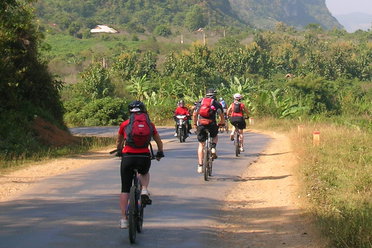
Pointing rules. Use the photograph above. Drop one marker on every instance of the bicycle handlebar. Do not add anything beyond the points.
(152, 156)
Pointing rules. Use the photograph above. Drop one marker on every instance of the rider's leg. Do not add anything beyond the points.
(123, 204)
(241, 136)
(232, 132)
(200, 152)
(214, 141)
(145, 180)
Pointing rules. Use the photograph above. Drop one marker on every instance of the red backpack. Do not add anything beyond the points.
(207, 109)
(139, 130)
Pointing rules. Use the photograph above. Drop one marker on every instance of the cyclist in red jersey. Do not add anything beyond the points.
(128, 162)
(236, 115)
(202, 123)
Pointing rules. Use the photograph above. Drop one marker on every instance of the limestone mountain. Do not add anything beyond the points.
(298, 13)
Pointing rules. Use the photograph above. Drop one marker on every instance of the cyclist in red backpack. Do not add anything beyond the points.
(204, 118)
(132, 144)
(236, 115)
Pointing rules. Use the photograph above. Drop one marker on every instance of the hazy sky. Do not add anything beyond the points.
(349, 6)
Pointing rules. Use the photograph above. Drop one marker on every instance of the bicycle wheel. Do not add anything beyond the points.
(140, 216)
(210, 163)
(237, 144)
(132, 212)
(205, 162)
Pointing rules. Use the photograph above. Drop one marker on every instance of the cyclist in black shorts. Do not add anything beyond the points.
(204, 117)
(140, 159)
(236, 113)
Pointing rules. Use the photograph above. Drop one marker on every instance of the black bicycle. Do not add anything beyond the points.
(135, 209)
(207, 157)
(237, 142)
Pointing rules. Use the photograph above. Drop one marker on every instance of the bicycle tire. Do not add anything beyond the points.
(205, 162)
(140, 218)
(210, 164)
(132, 212)
(237, 145)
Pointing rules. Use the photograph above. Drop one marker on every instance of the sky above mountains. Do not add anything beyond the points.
(339, 7)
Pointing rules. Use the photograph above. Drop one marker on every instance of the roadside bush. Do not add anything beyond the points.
(101, 112)
(162, 30)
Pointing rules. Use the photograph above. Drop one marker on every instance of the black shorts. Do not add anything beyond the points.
(202, 134)
(238, 122)
(128, 163)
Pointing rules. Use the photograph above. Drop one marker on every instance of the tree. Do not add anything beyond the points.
(195, 18)
(96, 83)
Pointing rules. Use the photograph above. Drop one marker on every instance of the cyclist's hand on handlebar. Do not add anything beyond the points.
(159, 155)
(119, 153)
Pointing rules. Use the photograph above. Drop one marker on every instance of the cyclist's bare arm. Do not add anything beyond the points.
(120, 142)
(159, 143)
(229, 111)
(222, 117)
(194, 117)
(246, 112)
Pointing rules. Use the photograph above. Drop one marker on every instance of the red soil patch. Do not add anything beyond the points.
(49, 134)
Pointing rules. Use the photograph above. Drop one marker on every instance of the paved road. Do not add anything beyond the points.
(80, 208)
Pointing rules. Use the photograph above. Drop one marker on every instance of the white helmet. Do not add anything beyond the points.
(237, 96)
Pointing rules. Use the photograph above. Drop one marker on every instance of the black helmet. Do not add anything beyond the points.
(136, 106)
(211, 92)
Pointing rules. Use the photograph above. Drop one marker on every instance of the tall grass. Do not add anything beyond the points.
(337, 176)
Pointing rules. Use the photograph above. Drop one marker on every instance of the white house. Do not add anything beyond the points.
(103, 29)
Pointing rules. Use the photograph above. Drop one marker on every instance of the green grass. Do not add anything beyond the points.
(337, 177)
(62, 45)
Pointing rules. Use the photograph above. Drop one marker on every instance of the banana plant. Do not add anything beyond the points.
(139, 87)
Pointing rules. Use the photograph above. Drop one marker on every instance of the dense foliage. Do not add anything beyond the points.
(26, 87)
(282, 75)
(286, 74)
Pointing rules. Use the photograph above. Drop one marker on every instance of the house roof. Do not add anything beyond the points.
(103, 29)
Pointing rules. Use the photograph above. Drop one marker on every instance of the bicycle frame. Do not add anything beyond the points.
(237, 142)
(135, 208)
(207, 157)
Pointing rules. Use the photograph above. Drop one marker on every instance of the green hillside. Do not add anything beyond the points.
(77, 17)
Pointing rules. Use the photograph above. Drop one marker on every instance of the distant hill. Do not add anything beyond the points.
(355, 21)
(297, 13)
(146, 15)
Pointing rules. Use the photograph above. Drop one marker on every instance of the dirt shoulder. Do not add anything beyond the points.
(16, 182)
(264, 210)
